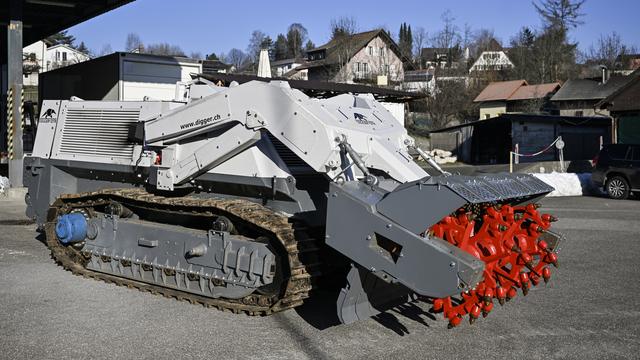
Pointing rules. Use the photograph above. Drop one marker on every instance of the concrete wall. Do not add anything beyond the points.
(492, 109)
(579, 108)
(583, 112)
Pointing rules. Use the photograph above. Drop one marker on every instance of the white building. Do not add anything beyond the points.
(491, 60)
(282, 67)
(33, 62)
(38, 58)
(62, 55)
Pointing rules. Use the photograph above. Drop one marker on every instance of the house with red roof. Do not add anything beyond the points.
(515, 96)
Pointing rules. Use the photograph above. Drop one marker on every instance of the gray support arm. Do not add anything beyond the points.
(212, 153)
(429, 160)
(368, 178)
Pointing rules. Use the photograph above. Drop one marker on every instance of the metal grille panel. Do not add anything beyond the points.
(99, 132)
(487, 188)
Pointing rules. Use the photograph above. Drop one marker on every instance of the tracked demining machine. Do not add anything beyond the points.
(254, 197)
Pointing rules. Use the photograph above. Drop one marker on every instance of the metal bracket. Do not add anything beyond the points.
(253, 120)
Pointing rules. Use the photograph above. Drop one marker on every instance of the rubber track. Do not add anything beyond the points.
(293, 239)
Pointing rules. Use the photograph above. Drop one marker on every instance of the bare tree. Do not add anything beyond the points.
(608, 50)
(165, 49)
(554, 57)
(562, 14)
(196, 55)
(236, 57)
(342, 30)
(345, 25)
(483, 40)
(133, 43)
(420, 37)
(255, 45)
(452, 100)
(449, 36)
(105, 50)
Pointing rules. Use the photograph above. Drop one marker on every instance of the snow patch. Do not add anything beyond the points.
(569, 184)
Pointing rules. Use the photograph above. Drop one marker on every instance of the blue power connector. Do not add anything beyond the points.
(71, 228)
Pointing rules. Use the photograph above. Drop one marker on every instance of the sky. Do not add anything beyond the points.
(207, 26)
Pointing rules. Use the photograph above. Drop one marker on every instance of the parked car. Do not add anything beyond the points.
(617, 170)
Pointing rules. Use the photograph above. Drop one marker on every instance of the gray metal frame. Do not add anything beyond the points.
(179, 258)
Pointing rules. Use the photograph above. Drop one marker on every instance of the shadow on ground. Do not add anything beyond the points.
(320, 311)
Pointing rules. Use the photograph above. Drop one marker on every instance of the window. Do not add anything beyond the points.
(619, 152)
(370, 50)
(579, 113)
(57, 55)
(382, 51)
(386, 69)
(64, 56)
(487, 116)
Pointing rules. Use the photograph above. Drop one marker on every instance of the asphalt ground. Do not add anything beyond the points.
(589, 310)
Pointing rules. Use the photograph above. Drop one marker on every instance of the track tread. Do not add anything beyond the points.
(294, 290)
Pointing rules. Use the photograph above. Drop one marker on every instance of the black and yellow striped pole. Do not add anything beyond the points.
(10, 124)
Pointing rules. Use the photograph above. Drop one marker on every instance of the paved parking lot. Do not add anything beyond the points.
(590, 309)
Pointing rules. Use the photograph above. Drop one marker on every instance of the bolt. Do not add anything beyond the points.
(368, 237)
(389, 226)
(452, 264)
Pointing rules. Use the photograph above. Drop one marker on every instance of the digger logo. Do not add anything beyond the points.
(361, 119)
(49, 116)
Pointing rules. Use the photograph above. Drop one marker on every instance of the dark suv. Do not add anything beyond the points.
(617, 169)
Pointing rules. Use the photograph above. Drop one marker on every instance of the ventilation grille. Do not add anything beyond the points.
(95, 132)
(293, 162)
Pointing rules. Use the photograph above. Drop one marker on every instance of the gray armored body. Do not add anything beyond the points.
(246, 198)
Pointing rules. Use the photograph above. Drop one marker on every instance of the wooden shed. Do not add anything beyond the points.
(490, 141)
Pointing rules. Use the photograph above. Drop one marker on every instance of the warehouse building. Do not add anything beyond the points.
(119, 76)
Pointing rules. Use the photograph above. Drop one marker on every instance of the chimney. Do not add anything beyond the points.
(605, 74)
(264, 67)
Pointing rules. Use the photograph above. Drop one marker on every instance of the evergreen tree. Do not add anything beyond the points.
(405, 40)
(296, 36)
(309, 45)
(62, 37)
(280, 47)
(83, 48)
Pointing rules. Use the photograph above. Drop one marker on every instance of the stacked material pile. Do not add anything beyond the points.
(441, 156)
